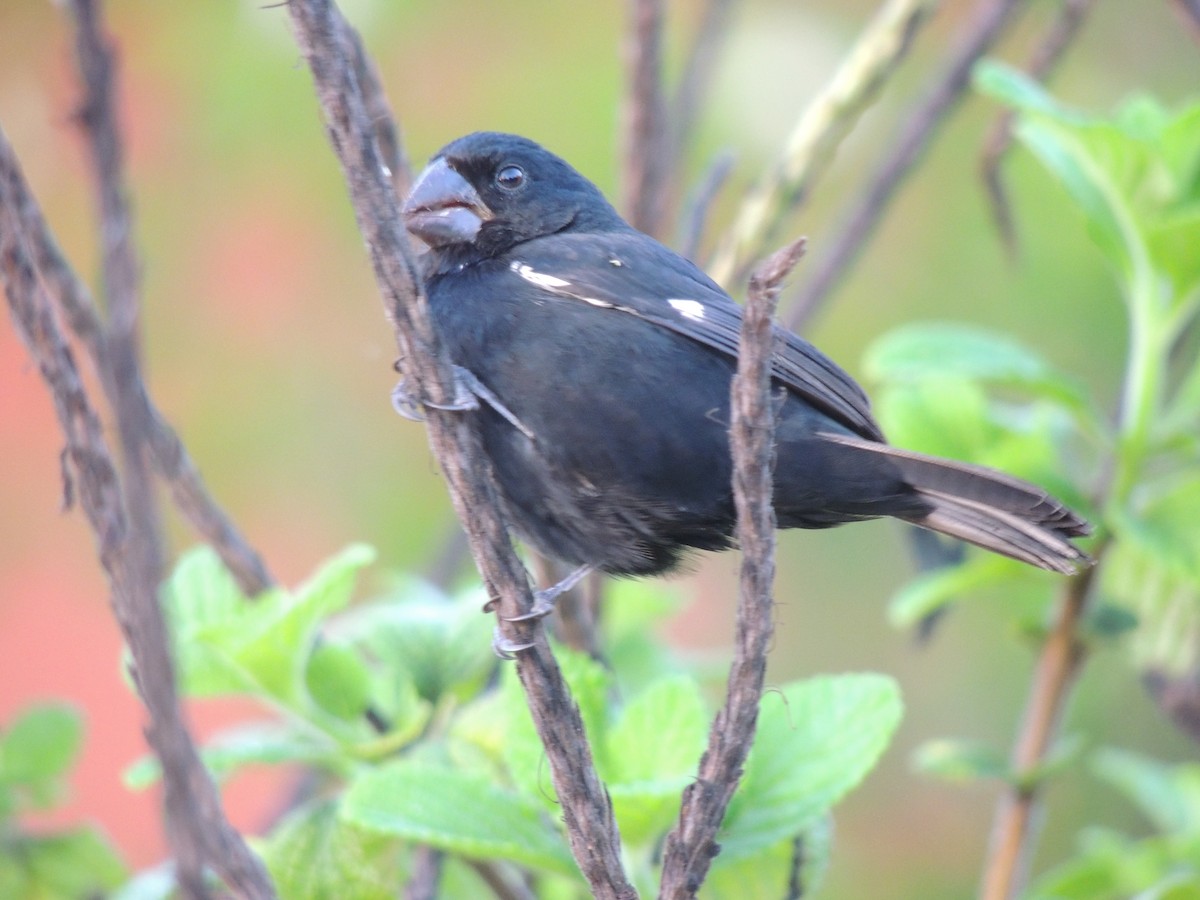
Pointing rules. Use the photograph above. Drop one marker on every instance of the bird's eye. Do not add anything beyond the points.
(510, 177)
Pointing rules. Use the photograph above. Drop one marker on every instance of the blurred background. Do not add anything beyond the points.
(267, 348)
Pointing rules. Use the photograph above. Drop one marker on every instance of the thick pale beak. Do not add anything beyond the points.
(443, 208)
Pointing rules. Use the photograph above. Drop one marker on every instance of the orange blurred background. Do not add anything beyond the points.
(266, 347)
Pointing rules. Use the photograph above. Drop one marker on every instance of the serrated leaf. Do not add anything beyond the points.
(672, 711)
(771, 873)
(277, 634)
(458, 812)
(40, 744)
(315, 855)
(442, 645)
(228, 645)
(816, 740)
(525, 758)
(645, 776)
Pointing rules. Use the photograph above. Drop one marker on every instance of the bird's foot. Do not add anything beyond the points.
(543, 601)
(468, 391)
(505, 648)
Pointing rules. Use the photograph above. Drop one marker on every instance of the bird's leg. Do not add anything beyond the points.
(468, 391)
(543, 601)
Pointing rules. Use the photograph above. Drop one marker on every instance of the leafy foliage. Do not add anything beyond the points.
(1110, 864)
(958, 391)
(37, 751)
(451, 759)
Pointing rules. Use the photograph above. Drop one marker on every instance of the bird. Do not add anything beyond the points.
(601, 363)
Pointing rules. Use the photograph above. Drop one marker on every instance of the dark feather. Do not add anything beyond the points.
(616, 356)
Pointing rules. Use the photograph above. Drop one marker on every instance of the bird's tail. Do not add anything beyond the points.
(986, 508)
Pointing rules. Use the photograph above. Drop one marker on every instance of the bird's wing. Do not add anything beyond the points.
(630, 273)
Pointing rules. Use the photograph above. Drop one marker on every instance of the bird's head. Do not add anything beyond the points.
(485, 193)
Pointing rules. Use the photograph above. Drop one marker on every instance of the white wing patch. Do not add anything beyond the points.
(538, 278)
(691, 309)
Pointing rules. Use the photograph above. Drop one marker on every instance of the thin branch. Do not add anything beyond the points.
(817, 134)
(170, 458)
(1189, 11)
(198, 830)
(323, 37)
(691, 845)
(388, 138)
(643, 119)
(1014, 827)
(987, 25)
(505, 884)
(426, 874)
(1045, 57)
(696, 79)
(700, 202)
(574, 619)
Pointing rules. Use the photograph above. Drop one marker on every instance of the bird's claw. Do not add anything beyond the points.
(506, 648)
(468, 391)
(405, 404)
(544, 600)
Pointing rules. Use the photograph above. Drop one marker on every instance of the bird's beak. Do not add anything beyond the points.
(443, 208)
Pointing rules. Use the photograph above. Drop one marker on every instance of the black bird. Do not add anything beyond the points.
(604, 360)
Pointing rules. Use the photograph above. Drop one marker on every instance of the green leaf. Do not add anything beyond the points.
(960, 761)
(1015, 88)
(1169, 796)
(316, 855)
(937, 588)
(672, 711)
(202, 591)
(228, 645)
(770, 874)
(459, 812)
(1166, 529)
(816, 740)
(918, 351)
(941, 415)
(646, 777)
(276, 635)
(270, 743)
(1109, 220)
(338, 681)
(1112, 867)
(75, 863)
(41, 744)
(418, 634)
(522, 750)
